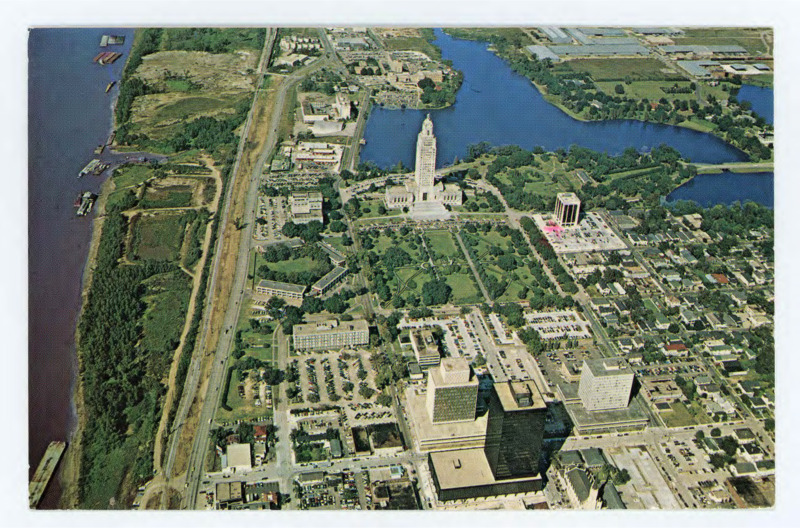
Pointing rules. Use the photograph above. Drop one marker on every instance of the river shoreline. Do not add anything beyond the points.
(72, 460)
(70, 473)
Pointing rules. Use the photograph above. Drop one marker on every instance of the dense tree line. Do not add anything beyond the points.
(214, 40)
(121, 387)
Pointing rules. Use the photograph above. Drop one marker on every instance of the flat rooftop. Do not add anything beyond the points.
(608, 367)
(569, 198)
(508, 392)
(332, 276)
(453, 372)
(464, 468)
(282, 286)
(330, 326)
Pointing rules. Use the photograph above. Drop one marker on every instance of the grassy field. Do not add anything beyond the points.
(167, 299)
(748, 38)
(536, 181)
(619, 69)
(173, 196)
(441, 244)
(464, 289)
(413, 44)
(189, 106)
(486, 33)
(130, 175)
(240, 408)
(369, 208)
(211, 84)
(408, 280)
(158, 237)
(291, 265)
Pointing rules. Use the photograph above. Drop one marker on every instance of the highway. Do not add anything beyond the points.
(193, 375)
(197, 458)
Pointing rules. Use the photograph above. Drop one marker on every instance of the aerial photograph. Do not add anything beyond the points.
(400, 268)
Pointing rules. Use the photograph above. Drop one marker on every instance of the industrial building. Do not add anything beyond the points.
(515, 429)
(568, 209)
(330, 334)
(697, 49)
(599, 50)
(452, 392)
(605, 384)
(238, 459)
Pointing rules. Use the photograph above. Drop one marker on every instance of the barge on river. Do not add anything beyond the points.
(45, 471)
(85, 202)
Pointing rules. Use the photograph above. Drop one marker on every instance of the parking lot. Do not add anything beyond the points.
(272, 214)
(553, 325)
(334, 378)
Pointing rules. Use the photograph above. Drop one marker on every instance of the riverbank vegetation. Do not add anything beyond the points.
(136, 308)
(187, 88)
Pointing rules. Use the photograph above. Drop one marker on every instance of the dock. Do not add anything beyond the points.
(45, 471)
(111, 40)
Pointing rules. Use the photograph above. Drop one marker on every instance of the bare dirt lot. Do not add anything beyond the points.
(192, 84)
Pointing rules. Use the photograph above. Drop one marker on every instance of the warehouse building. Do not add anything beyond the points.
(600, 50)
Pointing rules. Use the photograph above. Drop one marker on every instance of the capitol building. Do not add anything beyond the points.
(423, 193)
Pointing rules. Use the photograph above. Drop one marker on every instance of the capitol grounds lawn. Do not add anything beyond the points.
(441, 243)
(464, 289)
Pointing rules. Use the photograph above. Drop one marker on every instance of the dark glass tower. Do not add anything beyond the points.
(515, 429)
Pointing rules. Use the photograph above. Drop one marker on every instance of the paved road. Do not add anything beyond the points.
(193, 375)
(472, 267)
(194, 370)
(196, 460)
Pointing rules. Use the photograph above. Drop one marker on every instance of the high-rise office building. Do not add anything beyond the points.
(452, 391)
(605, 384)
(515, 429)
(425, 169)
(568, 209)
(424, 191)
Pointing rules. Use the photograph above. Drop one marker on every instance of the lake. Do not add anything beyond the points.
(761, 99)
(497, 105)
(728, 187)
